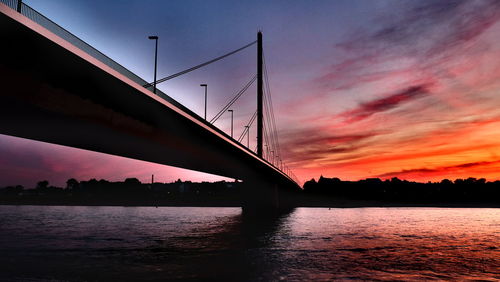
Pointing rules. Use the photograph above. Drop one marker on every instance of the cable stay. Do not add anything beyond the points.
(271, 109)
(271, 118)
(268, 125)
(233, 100)
(198, 66)
(266, 142)
(271, 140)
(247, 127)
(267, 130)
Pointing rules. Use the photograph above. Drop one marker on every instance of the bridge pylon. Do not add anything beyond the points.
(260, 94)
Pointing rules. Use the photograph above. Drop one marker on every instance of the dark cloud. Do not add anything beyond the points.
(366, 110)
(315, 153)
(428, 28)
(430, 32)
(354, 71)
(436, 170)
(312, 137)
(312, 145)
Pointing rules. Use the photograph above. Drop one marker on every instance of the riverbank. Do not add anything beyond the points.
(326, 192)
(309, 203)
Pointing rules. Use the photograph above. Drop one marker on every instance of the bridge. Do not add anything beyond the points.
(56, 88)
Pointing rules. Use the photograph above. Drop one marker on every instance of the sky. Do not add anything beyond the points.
(360, 88)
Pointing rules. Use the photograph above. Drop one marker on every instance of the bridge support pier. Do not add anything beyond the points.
(266, 198)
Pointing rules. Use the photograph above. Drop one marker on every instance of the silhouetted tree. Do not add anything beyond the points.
(310, 185)
(12, 190)
(42, 185)
(446, 182)
(470, 190)
(132, 181)
(72, 184)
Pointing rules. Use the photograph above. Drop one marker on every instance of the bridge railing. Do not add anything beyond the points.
(35, 16)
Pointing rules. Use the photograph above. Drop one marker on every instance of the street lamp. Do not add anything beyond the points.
(204, 85)
(155, 38)
(231, 122)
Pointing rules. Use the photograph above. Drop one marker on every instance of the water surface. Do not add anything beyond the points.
(183, 243)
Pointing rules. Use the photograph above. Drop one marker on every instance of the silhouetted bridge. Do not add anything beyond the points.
(56, 88)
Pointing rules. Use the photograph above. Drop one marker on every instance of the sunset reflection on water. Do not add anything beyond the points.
(183, 243)
(397, 243)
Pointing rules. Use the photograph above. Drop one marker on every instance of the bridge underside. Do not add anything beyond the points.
(52, 93)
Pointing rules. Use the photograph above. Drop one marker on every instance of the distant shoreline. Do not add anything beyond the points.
(354, 204)
(325, 193)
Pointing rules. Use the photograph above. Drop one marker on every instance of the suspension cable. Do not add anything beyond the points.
(233, 100)
(247, 127)
(198, 66)
(270, 123)
(273, 119)
(266, 142)
(267, 125)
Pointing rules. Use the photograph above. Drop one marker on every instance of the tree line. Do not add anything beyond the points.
(128, 192)
(323, 192)
(470, 190)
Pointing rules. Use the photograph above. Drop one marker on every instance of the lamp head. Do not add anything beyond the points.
(153, 37)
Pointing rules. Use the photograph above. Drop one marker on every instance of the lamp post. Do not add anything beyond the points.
(204, 85)
(231, 122)
(155, 38)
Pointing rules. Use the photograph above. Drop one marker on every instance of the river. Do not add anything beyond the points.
(61, 243)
